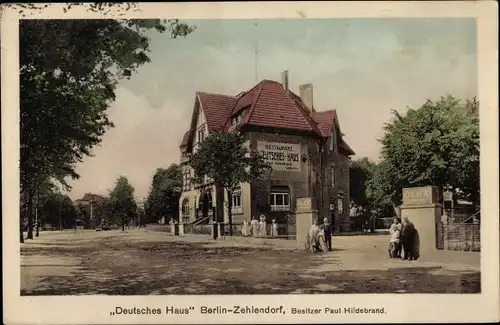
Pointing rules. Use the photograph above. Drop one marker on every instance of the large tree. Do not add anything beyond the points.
(224, 159)
(68, 73)
(59, 211)
(122, 201)
(361, 171)
(436, 144)
(164, 193)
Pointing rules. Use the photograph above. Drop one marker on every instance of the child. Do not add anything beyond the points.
(395, 241)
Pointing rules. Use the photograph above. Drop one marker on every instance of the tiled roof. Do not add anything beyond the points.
(325, 121)
(217, 109)
(269, 105)
(96, 198)
(273, 107)
(344, 145)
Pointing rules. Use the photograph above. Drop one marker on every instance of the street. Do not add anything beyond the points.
(140, 262)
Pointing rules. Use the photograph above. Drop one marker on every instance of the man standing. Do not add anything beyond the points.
(328, 233)
(407, 238)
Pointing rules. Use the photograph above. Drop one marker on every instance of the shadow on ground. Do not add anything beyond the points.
(111, 266)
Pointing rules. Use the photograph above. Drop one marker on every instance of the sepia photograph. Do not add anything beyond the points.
(249, 156)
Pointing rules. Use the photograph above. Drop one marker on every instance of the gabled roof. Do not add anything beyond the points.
(344, 145)
(268, 105)
(217, 109)
(325, 121)
(274, 107)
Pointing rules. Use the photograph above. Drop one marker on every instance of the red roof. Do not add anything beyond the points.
(325, 121)
(96, 198)
(217, 109)
(274, 107)
(269, 105)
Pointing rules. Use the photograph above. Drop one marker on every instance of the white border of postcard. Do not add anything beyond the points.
(399, 308)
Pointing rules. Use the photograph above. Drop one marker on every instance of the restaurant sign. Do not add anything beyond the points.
(281, 156)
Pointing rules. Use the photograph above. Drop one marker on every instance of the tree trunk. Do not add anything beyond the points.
(21, 238)
(229, 212)
(123, 223)
(30, 216)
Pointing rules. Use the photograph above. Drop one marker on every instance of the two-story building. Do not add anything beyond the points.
(305, 148)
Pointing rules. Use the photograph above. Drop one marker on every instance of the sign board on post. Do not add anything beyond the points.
(305, 204)
(281, 156)
(420, 195)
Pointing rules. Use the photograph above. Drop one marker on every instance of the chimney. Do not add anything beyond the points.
(284, 79)
(306, 94)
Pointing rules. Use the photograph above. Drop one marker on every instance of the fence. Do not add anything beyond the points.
(285, 230)
(459, 236)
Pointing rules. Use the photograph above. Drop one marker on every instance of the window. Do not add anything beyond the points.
(236, 200)
(340, 204)
(186, 179)
(332, 176)
(201, 134)
(239, 117)
(185, 207)
(280, 199)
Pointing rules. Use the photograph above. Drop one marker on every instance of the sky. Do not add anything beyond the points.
(363, 68)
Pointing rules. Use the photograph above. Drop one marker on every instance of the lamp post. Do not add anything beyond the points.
(37, 233)
(60, 214)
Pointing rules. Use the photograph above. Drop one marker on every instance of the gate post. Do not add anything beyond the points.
(305, 214)
(420, 205)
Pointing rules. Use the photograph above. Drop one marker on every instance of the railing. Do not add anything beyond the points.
(280, 207)
(459, 237)
(198, 229)
(159, 227)
(200, 220)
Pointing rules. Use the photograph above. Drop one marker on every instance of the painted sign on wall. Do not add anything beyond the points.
(281, 156)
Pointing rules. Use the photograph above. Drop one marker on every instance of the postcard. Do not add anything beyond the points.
(250, 162)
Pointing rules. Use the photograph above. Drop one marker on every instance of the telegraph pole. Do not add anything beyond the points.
(256, 54)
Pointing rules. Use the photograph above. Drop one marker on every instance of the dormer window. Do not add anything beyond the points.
(239, 117)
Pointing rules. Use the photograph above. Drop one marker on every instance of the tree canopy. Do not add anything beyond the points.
(122, 201)
(164, 193)
(436, 144)
(361, 171)
(224, 159)
(68, 73)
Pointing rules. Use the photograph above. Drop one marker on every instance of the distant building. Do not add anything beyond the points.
(305, 148)
(90, 197)
(89, 200)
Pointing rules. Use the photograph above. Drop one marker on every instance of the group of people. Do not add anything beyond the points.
(320, 236)
(404, 241)
(258, 227)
